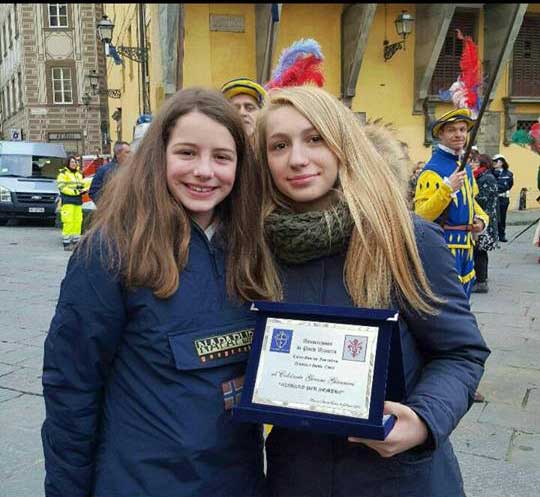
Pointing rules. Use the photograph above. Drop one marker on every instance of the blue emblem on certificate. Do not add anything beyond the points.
(281, 340)
(354, 348)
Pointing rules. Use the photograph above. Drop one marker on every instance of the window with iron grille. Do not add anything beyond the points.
(526, 59)
(525, 124)
(62, 85)
(58, 16)
(447, 69)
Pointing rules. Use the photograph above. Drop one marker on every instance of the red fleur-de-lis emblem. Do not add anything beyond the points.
(355, 347)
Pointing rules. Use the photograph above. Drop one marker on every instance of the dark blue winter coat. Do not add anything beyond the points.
(139, 390)
(443, 358)
(505, 179)
(100, 178)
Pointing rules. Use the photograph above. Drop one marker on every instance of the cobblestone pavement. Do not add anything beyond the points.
(497, 443)
(32, 265)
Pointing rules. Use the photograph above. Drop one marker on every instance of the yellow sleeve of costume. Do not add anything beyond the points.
(478, 211)
(432, 196)
(66, 185)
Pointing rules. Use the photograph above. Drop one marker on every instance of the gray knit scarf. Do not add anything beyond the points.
(297, 238)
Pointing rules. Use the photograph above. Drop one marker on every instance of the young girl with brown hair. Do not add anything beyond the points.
(146, 352)
(338, 223)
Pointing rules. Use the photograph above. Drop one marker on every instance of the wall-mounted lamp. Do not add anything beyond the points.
(86, 99)
(404, 25)
(93, 81)
(105, 29)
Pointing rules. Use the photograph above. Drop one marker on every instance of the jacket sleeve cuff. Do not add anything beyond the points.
(430, 442)
(445, 186)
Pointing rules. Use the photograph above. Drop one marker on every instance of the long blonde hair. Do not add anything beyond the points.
(382, 256)
(146, 232)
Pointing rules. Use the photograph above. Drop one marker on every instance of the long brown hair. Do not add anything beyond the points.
(382, 256)
(146, 232)
(485, 160)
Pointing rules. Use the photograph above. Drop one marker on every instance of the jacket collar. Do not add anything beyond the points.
(448, 150)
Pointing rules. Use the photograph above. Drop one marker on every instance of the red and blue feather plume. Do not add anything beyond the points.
(465, 92)
(298, 64)
(470, 71)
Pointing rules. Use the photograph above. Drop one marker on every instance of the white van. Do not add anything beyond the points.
(28, 174)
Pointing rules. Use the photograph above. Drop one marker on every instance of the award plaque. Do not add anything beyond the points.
(321, 368)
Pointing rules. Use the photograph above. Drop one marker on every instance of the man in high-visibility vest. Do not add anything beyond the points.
(71, 185)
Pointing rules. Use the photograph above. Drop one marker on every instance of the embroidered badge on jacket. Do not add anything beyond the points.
(232, 392)
(220, 346)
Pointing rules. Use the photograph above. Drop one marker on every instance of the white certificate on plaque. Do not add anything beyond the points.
(317, 366)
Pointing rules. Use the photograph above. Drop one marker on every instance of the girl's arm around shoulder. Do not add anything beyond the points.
(79, 349)
(450, 341)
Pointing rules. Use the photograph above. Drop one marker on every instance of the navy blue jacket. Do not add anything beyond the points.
(505, 179)
(100, 179)
(139, 390)
(443, 357)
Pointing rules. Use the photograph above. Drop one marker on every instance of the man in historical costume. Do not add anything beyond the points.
(248, 97)
(445, 194)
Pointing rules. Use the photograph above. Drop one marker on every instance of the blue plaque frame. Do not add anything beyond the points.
(376, 426)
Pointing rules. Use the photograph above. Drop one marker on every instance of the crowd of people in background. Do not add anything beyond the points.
(166, 265)
(493, 181)
(482, 166)
(316, 192)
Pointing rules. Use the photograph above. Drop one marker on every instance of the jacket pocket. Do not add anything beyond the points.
(414, 471)
(414, 457)
(206, 344)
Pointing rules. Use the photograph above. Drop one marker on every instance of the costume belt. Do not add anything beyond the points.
(459, 227)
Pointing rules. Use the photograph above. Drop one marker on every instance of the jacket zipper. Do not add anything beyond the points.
(211, 249)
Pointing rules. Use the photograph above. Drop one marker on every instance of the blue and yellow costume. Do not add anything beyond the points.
(432, 198)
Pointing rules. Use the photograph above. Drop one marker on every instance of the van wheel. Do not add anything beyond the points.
(3, 221)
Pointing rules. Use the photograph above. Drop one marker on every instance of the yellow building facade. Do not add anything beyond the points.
(384, 89)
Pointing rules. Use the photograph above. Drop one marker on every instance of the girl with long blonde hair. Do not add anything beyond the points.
(146, 353)
(337, 219)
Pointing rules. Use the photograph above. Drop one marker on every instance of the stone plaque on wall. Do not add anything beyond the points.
(489, 134)
(59, 46)
(228, 23)
(61, 136)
